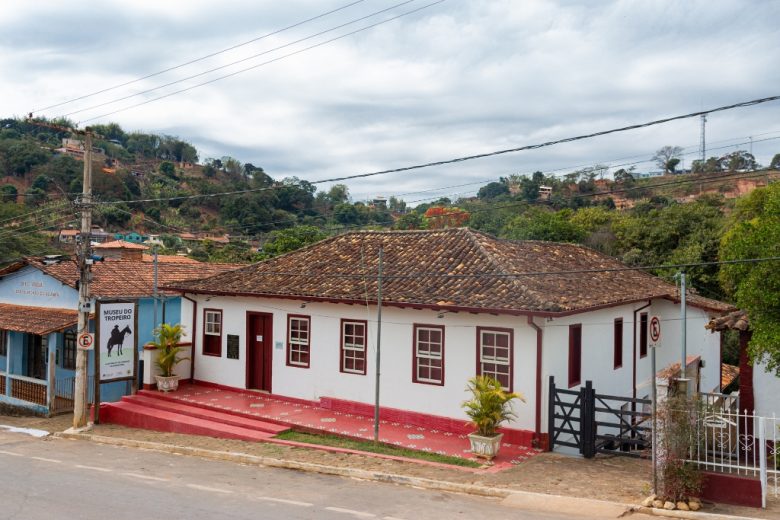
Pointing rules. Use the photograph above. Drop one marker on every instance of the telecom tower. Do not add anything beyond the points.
(703, 146)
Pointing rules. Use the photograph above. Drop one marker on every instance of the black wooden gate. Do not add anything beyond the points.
(596, 423)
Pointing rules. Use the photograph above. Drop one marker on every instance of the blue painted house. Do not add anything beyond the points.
(38, 316)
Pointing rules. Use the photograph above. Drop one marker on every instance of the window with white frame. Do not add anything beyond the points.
(3, 343)
(298, 338)
(495, 355)
(429, 354)
(353, 347)
(212, 332)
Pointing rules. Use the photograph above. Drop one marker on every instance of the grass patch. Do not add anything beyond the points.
(371, 447)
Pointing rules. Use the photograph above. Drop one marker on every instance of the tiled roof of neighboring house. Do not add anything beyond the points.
(119, 244)
(447, 269)
(125, 279)
(69, 232)
(176, 259)
(673, 370)
(737, 320)
(21, 318)
(728, 373)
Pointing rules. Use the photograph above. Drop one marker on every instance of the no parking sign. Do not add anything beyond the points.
(655, 331)
(85, 341)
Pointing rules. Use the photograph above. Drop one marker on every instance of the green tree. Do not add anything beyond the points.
(493, 190)
(8, 193)
(775, 163)
(754, 232)
(411, 220)
(168, 169)
(540, 224)
(667, 158)
(286, 240)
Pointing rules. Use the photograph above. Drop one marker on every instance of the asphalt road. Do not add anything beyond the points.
(61, 479)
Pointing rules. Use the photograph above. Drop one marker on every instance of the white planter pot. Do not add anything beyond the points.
(167, 384)
(485, 447)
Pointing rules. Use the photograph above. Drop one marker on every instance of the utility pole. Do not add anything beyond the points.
(84, 256)
(683, 332)
(80, 404)
(378, 345)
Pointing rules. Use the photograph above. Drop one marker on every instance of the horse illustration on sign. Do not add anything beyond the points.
(117, 339)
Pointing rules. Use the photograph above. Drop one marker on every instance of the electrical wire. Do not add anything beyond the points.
(241, 71)
(743, 104)
(227, 65)
(196, 60)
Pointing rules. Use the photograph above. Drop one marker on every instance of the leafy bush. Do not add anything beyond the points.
(168, 349)
(490, 405)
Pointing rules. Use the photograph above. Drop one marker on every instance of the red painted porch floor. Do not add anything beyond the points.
(311, 417)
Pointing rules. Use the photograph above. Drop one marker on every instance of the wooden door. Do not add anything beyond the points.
(259, 347)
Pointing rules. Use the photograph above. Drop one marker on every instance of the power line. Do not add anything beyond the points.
(242, 60)
(241, 71)
(196, 60)
(477, 156)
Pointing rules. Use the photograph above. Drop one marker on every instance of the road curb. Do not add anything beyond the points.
(516, 498)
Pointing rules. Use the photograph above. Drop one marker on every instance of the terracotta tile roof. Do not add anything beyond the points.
(445, 268)
(21, 318)
(168, 259)
(119, 244)
(737, 320)
(673, 370)
(728, 373)
(125, 279)
(69, 232)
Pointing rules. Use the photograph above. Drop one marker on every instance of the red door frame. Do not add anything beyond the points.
(268, 348)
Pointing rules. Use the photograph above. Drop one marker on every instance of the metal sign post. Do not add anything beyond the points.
(655, 336)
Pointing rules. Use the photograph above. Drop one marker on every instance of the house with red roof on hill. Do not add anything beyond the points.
(455, 303)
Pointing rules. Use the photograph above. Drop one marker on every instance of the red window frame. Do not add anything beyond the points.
(484, 362)
(643, 335)
(298, 350)
(617, 355)
(575, 354)
(208, 348)
(429, 362)
(356, 357)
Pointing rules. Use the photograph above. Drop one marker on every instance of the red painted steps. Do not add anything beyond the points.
(151, 401)
(151, 416)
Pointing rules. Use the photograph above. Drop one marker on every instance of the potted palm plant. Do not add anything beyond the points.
(168, 355)
(489, 406)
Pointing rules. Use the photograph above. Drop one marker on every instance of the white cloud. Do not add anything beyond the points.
(456, 79)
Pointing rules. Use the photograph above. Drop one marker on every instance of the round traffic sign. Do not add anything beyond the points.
(655, 329)
(85, 340)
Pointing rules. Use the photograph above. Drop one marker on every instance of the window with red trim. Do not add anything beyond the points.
(495, 355)
(212, 332)
(643, 334)
(617, 355)
(429, 354)
(298, 340)
(353, 346)
(575, 355)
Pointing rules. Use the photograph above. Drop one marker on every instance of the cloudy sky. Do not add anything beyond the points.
(452, 79)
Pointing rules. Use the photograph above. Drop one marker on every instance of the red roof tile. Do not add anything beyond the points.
(455, 268)
(119, 244)
(21, 318)
(125, 279)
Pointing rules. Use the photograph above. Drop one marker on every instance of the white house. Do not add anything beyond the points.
(455, 303)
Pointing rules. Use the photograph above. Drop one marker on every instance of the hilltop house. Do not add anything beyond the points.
(38, 314)
(456, 303)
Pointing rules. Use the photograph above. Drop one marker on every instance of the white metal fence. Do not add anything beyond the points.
(738, 442)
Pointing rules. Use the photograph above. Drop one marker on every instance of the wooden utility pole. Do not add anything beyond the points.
(80, 401)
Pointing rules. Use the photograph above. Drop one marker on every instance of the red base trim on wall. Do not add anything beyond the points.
(731, 489)
(433, 422)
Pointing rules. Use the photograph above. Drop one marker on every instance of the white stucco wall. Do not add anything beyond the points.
(766, 392)
(324, 379)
